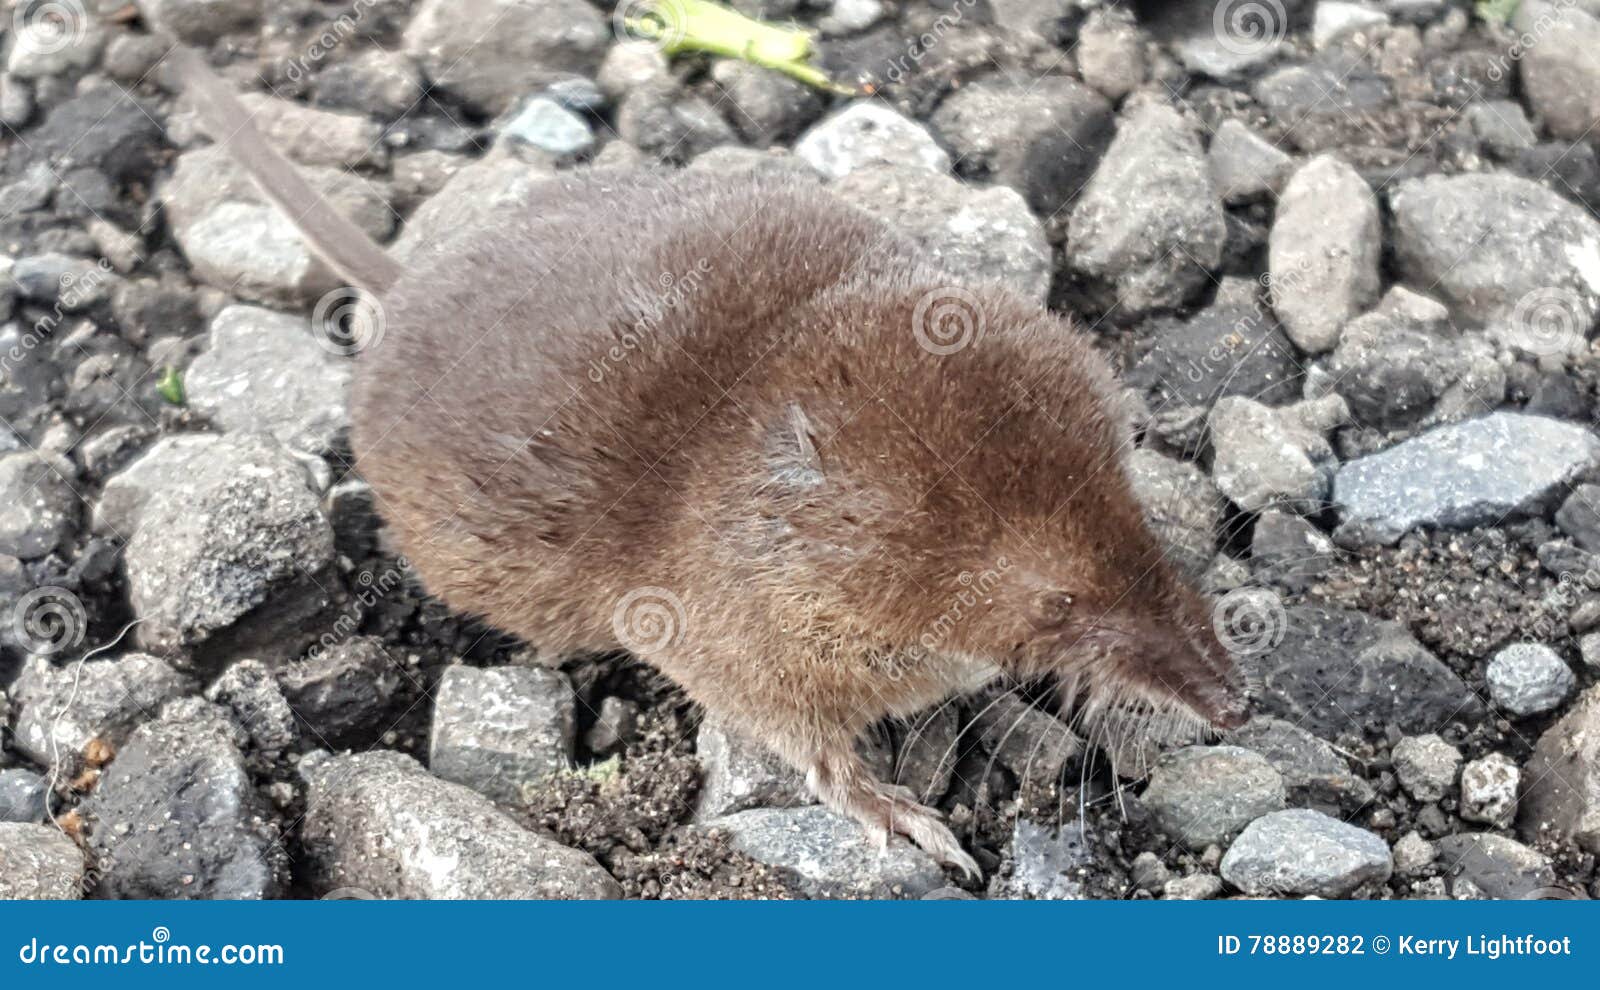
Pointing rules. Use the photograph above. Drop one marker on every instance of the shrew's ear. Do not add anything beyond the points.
(793, 465)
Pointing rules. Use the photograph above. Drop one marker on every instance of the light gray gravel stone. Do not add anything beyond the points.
(1262, 456)
(1501, 868)
(1323, 252)
(1150, 224)
(1461, 475)
(379, 822)
(176, 815)
(168, 461)
(1314, 775)
(501, 730)
(1034, 745)
(38, 863)
(1561, 68)
(1244, 165)
(1426, 766)
(271, 373)
(828, 855)
(60, 710)
(867, 133)
(1199, 887)
(1111, 52)
(1489, 791)
(1561, 800)
(1046, 864)
(471, 197)
(228, 558)
(1589, 647)
(547, 125)
(1499, 247)
(41, 508)
(44, 45)
(740, 774)
(248, 692)
(1202, 795)
(1303, 852)
(1528, 679)
(1335, 20)
(24, 796)
(313, 136)
(1413, 854)
(975, 233)
(1183, 506)
(490, 52)
(201, 22)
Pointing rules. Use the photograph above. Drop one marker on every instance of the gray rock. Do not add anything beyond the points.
(60, 710)
(489, 52)
(667, 122)
(1529, 679)
(176, 815)
(228, 558)
(1274, 457)
(1579, 517)
(1046, 864)
(1502, 126)
(1337, 671)
(828, 855)
(1324, 250)
(1304, 852)
(1413, 854)
(547, 125)
(237, 241)
(1148, 872)
(1500, 248)
(41, 506)
(1501, 868)
(930, 746)
(74, 283)
(1314, 775)
(1232, 347)
(169, 461)
(1111, 52)
(1182, 505)
(851, 16)
(1489, 791)
(1199, 887)
(1561, 801)
(1335, 20)
(24, 796)
(1034, 745)
(1402, 365)
(867, 133)
(1589, 648)
(248, 692)
(972, 232)
(312, 136)
(501, 730)
(1333, 84)
(340, 693)
(1042, 137)
(1288, 551)
(471, 197)
(1150, 224)
(378, 822)
(201, 22)
(272, 373)
(1462, 475)
(629, 65)
(373, 82)
(1561, 68)
(1202, 795)
(1426, 765)
(38, 863)
(1224, 42)
(741, 774)
(1244, 165)
(613, 726)
(765, 107)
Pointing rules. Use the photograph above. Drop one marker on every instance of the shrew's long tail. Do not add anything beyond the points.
(343, 245)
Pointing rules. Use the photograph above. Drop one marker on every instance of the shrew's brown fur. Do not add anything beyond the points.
(718, 420)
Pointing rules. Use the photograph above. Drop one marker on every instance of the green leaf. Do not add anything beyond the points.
(170, 386)
(701, 26)
(1497, 11)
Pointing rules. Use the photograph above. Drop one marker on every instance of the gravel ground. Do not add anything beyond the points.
(1345, 254)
